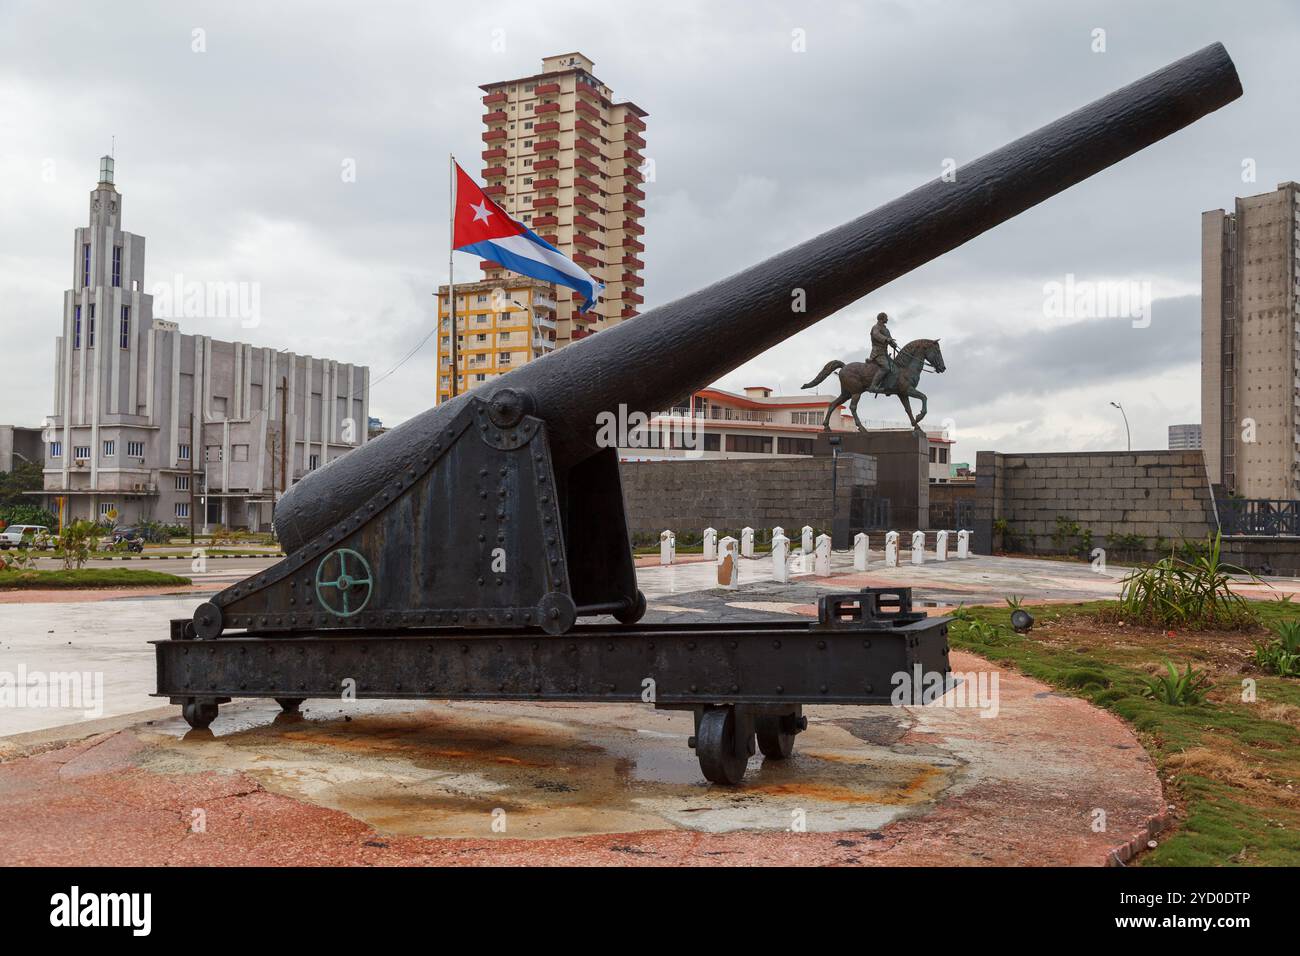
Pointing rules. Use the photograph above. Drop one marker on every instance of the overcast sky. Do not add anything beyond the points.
(230, 163)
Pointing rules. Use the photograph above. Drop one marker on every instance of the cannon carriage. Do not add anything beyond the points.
(474, 551)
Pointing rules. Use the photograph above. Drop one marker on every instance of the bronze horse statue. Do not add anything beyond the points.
(856, 378)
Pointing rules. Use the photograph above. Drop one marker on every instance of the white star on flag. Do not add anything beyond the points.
(481, 211)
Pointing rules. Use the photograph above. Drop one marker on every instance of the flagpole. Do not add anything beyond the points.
(451, 285)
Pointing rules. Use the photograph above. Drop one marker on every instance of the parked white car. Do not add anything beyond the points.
(27, 536)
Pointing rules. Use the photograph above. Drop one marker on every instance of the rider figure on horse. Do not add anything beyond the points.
(881, 340)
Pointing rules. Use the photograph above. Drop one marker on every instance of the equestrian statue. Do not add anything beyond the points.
(883, 375)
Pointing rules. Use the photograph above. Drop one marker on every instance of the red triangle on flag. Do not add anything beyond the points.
(477, 217)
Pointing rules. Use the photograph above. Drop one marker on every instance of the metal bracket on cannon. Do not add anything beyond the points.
(478, 532)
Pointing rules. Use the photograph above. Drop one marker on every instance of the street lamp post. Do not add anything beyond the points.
(835, 441)
(1128, 436)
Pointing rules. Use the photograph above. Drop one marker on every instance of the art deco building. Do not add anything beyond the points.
(150, 423)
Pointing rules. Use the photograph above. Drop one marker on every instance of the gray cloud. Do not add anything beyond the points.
(229, 163)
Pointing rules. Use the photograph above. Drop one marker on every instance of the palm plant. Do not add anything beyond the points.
(1190, 591)
(1178, 690)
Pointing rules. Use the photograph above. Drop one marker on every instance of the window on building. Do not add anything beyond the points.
(933, 454)
(751, 444)
(182, 509)
(106, 508)
(481, 298)
(183, 452)
(213, 453)
(76, 326)
(182, 482)
(712, 442)
(794, 446)
(505, 336)
(481, 337)
(90, 328)
(85, 265)
(135, 449)
(528, 125)
(480, 377)
(943, 456)
(313, 462)
(117, 266)
(110, 448)
(124, 337)
(503, 358)
(56, 449)
(81, 452)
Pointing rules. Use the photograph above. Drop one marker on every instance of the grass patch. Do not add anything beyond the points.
(1232, 766)
(87, 578)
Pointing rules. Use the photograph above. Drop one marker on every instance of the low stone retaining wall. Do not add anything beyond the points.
(1135, 502)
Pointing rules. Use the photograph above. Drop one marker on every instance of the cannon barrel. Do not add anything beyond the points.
(671, 350)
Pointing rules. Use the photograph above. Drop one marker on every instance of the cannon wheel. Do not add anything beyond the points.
(716, 747)
(774, 739)
(634, 613)
(290, 705)
(199, 714)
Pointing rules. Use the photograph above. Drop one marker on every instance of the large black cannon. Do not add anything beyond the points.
(454, 556)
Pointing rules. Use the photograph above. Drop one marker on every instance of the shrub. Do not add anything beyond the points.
(1281, 655)
(1126, 547)
(1178, 690)
(19, 559)
(27, 514)
(1010, 537)
(1178, 592)
(78, 542)
(984, 632)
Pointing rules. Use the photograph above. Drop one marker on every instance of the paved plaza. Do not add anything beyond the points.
(402, 781)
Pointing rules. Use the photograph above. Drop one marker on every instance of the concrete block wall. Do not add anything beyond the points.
(1152, 494)
(691, 495)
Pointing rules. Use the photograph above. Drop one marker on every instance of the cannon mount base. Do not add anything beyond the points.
(742, 680)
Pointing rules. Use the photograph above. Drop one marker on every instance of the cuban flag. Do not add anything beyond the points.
(482, 227)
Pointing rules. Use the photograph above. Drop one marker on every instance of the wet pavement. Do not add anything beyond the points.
(516, 783)
(402, 782)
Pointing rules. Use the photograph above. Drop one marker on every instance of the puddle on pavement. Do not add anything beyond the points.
(442, 770)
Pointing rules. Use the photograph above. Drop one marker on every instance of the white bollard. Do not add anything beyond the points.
(807, 540)
(667, 547)
(728, 562)
(941, 546)
(710, 544)
(746, 542)
(963, 544)
(780, 552)
(822, 556)
(860, 551)
(891, 549)
(779, 532)
(918, 547)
